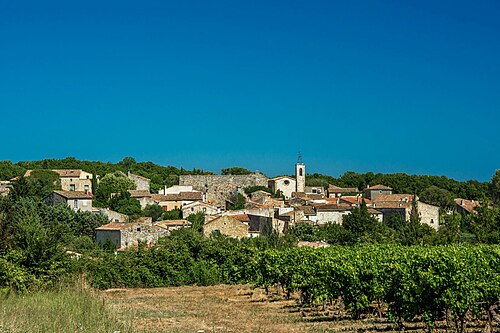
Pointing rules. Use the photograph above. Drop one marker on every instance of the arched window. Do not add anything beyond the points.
(300, 172)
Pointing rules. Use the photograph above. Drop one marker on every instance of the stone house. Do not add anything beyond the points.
(314, 190)
(141, 183)
(72, 180)
(143, 196)
(226, 225)
(464, 206)
(176, 201)
(124, 235)
(401, 204)
(286, 185)
(336, 191)
(197, 207)
(219, 189)
(372, 192)
(76, 200)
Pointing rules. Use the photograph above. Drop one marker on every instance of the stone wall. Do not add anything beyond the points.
(228, 226)
(141, 183)
(222, 188)
(429, 214)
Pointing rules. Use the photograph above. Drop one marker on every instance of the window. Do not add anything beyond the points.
(72, 187)
(138, 229)
(86, 188)
(300, 172)
(75, 204)
(204, 209)
(286, 182)
(314, 190)
(432, 221)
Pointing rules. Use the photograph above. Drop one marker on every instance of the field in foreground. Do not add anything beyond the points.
(236, 308)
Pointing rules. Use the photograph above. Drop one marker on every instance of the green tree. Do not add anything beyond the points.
(39, 184)
(495, 187)
(236, 171)
(125, 204)
(116, 182)
(197, 220)
(239, 203)
(437, 196)
(174, 214)
(154, 211)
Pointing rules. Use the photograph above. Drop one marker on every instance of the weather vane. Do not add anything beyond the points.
(299, 160)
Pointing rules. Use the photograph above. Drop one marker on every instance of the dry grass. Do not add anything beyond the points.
(226, 309)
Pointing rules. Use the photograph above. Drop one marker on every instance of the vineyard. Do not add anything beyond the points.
(456, 284)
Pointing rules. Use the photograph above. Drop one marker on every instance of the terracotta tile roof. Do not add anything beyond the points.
(130, 174)
(395, 197)
(391, 204)
(333, 208)
(378, 187)
(290, 213)
(308, 210)
(241, 217)
(172, 223)
(468, 205)
(139, 193)
(337, 189)
(193, 196)
(354, 200)
(117, 226)
(374, 211)
(74, 194)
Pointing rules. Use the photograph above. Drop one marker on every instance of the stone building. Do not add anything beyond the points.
(219, 189)
(226, 225)
(143, 196)
(300, 176)
(176, 201)
(72, 180)
(372, 192)
(198, 207)
(464, 206)
(401, 204)
(141, 183)
(76, 200)
(286, 185)
(124, 235)
(336, 191)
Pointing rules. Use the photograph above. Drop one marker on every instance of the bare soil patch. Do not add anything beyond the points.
(235, 308)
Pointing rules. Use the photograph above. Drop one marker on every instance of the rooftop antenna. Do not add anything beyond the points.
(299, 160)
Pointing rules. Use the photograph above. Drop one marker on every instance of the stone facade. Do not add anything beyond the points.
(197, 207)
(300, 176)
(222, 188)
(226, 225)
(76, 200)
(287, 185)
(373, 192)
(124, 235)
(141, 183)
(72, 180)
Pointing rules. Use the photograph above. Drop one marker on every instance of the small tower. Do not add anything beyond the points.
(300, 174)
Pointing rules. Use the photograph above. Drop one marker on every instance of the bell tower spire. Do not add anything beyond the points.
(300, 174)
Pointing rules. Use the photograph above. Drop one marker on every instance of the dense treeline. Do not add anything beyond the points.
(159, 175)
(404, 183)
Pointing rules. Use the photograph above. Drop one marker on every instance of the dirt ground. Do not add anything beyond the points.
(237, 308)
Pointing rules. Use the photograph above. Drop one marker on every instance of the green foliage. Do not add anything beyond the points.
(197, 220)
(174, 214)
(39, 184)
(494, 187)
(437, 196)
(125, 204)
(116, 182)
(236, 171)
(154, 211)
(249, 190)
(486, 224)
(239, 203)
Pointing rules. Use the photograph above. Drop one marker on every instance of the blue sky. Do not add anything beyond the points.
(382, 86)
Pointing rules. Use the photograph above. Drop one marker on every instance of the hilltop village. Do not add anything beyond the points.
(235, 205)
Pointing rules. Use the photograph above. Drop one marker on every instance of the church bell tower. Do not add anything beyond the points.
(300, 174)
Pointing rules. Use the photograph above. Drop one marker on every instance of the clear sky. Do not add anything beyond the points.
(383, 86)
